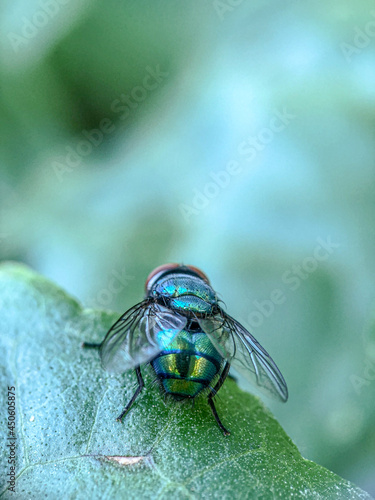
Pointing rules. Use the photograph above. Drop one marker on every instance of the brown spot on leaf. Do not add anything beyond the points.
(125, 461)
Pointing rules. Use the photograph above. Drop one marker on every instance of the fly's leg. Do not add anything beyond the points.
(212, 406)
(141, 384)
(219, 383)
(88, 345)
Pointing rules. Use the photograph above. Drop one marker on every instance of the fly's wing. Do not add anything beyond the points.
(139, 335)
(234, 343)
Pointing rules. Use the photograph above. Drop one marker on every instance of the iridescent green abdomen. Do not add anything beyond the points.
(188, 365)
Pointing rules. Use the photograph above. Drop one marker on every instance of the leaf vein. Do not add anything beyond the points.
(95, 419)
(225, 461)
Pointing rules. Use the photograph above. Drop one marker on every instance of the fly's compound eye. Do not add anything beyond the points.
(153, 276)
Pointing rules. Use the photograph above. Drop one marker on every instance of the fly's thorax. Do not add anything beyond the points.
(186, 294)
(190, 305)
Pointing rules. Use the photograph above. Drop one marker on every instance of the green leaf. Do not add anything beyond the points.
(69, 443)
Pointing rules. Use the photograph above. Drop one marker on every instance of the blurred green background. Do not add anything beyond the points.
(235, 136)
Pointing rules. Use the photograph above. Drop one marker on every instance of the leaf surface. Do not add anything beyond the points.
(68, 440)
